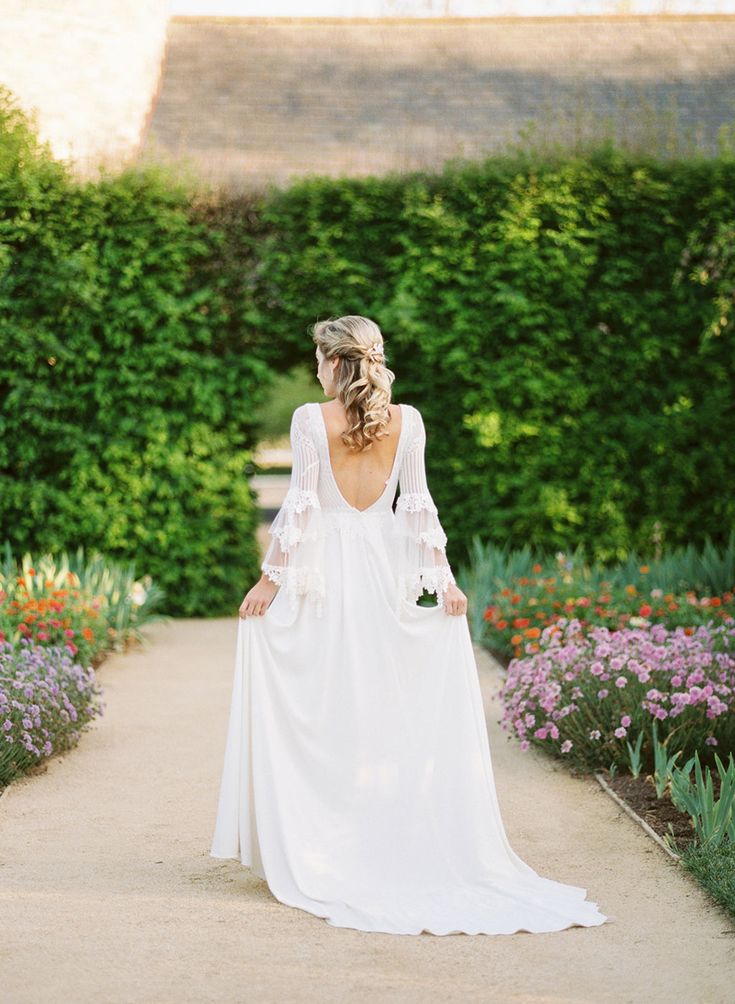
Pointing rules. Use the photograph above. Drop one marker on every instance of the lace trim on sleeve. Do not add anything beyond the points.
(416, 501)
(421, 547)
(298, 582)
(420, 538)
(295, 556)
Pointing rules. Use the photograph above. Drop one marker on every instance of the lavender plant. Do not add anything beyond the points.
(46, 701)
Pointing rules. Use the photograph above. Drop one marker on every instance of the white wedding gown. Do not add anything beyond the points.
(357, 778)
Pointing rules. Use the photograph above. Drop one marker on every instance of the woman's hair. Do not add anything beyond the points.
(362, 379)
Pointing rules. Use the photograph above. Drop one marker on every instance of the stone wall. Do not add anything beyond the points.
(253, 100)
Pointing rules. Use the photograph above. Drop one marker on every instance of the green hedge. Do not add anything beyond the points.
(564, 324)
(127, 406)
(566, 327)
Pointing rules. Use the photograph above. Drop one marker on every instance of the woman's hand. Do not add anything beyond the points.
(259, 598)
(455, 601)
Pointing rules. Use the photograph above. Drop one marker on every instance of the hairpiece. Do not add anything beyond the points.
(375, 351)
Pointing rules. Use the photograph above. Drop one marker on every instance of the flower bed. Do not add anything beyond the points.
(47, 699)
(583, 692)
(518, 613)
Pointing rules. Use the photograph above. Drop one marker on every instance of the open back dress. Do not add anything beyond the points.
(357, 779)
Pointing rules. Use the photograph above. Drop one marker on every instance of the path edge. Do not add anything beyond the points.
(634, 815)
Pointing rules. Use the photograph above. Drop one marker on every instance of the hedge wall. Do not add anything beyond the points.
(127, 406)
(565, 326)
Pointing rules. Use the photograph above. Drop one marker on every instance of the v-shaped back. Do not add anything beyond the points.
(330, 494)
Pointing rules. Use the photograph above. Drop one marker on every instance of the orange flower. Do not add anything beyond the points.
(631, 590)
(645, 610)
(88, 633)
(644, 569)
(715, 601)
(516, 639)
(532, 632)
(521, 622)
(536, 568)
(502, 625)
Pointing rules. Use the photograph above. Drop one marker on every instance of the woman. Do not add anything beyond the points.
(357, 778)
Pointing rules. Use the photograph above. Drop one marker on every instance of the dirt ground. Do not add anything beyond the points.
(108, 893)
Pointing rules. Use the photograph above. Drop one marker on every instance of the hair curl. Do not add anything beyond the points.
(362, 379)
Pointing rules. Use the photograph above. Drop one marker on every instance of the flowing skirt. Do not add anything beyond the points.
(357, 778)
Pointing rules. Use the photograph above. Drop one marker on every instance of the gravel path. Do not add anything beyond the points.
(108, 893)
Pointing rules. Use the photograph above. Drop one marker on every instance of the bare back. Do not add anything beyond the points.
(361, 477)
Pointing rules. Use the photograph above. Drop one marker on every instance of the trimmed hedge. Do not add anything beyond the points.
(564, 324)
(127, 407)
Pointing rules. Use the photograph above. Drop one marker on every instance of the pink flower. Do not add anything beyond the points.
(566, 745)
(621, 681)
(621, 732)
(625, 720)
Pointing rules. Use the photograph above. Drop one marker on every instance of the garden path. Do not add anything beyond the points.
(108, 893)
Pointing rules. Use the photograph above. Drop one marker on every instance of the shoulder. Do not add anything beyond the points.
(414, 416)
(301, 419)
(410, 410)
(303, 412)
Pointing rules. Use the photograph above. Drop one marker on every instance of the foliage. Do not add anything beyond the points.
(563, 322)
(126, 404)
(713, 818)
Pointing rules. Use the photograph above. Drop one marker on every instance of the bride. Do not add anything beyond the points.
(357, 778)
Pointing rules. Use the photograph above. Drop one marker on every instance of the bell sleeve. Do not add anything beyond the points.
(295, 556)
(420, 538)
